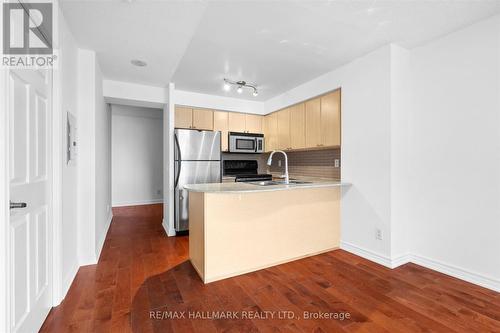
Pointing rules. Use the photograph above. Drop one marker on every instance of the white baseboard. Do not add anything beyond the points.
(102, 237)
(368, 254)
(137, 203)
(459, 273)
(400, 260)
(169, 229)
(68, 280)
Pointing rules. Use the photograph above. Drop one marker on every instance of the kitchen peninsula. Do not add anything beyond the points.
(236, 228)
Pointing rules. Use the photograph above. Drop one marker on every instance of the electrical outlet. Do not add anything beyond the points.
(336, 163)
(158, 191)
(378, 234)
(279, 163)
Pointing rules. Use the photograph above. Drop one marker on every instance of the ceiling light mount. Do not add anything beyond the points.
(138, 63)
(241, 84)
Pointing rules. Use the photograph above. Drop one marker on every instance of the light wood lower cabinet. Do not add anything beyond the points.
(203, 119)
(280, 238)
(330, 119)
(313, 123)
(221, 124)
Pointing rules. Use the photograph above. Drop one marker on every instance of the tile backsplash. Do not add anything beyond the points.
(316, 163)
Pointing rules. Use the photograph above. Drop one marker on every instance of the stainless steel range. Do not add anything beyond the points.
(244, 171)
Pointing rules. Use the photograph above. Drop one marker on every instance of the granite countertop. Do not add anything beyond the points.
(248, 187)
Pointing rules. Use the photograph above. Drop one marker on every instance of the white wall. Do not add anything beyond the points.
(126, 93)
(67, 72)
(420, 144)
(168, 162)
(137, 155)
(218, 102)
(94, 140)
(132, 94)
(86, 156)
(400, 130)
(103, 214)
(366, 146)
(455, 153)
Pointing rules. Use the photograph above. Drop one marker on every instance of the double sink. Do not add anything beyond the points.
(280, 182)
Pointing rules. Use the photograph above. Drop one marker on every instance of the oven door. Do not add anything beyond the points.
(242, 144)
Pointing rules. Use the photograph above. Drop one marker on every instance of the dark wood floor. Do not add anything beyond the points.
(144, 283)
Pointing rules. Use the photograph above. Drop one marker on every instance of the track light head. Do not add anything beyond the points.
(241, 84)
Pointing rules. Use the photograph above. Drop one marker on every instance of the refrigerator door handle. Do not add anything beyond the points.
(179, 161)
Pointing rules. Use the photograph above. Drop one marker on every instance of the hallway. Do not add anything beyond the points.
(100, 297)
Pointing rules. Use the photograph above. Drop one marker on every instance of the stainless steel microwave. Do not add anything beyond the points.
(251, 143)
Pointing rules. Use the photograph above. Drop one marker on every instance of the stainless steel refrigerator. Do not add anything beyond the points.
(197, 161)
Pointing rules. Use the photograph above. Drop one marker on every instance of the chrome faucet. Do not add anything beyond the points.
(270, 160)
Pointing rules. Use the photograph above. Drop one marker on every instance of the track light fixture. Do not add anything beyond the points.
(241, 84)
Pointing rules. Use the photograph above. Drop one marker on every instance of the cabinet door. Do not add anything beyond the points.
(297, 126)
(330, 119)
(284, 129)
(271, 132)
(236, 122)
(253, 123)
(183, 117)
(221, 124)
(203, 119)
(313, 123)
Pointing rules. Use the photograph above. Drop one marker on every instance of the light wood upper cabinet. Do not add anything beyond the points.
(297, 127)
(271, 132)
(236, 122)
(183, 117)
(186, 117)
(313, 123)
(253, 123)
(203, 119)
(330, 119)
(221, 123)
(284, 129)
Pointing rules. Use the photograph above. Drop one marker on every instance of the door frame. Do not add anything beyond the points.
(4, 208)
(55, 201)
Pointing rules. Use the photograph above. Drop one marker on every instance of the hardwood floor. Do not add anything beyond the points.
(143, 281)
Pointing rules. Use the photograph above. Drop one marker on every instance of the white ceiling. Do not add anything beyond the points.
(276, 44)
(157, 32)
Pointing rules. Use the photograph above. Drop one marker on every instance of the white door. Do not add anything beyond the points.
(30, 267)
